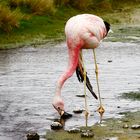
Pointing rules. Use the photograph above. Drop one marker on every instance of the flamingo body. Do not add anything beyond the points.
(83, 31)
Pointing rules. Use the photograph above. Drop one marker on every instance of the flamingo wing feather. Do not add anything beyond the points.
(80, 76)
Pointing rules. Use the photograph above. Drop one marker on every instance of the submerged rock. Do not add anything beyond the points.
(32, 136)
(56, 125)
(87, 133)
(135, 126)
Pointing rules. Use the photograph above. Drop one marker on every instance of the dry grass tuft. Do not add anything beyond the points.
(9, 19)
(81, 4)
(61, 2)
(37, 7)
(40, 7)
(16, 3)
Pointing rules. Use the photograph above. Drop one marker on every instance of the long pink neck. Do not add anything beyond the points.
(73, 61)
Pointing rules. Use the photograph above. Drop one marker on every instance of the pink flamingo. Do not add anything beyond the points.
(83, 31)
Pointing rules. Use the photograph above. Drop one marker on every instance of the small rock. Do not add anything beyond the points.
(78, 111)
(109, 61)
(32, 136)
(111, 138)
(56, 125)
(125, 126)
(135, 126)
(87, 133)
(83, 96)
(74, 130)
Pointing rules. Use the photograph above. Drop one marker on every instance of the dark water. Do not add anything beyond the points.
(27, 85)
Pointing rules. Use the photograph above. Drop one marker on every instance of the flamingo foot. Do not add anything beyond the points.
(101, 111)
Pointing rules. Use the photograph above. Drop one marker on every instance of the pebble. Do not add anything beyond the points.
(109, 61)
(78, 111)
(32, 136)
(74, 130)
(135, 126)
(87, 133)
(83, 96)
(125, 126)
(111, 138)
(56, 125)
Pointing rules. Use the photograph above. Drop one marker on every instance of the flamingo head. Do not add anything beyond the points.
(58, 104)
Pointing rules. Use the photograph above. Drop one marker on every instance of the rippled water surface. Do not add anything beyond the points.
(28, 78)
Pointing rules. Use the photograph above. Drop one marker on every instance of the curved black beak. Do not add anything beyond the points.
(62, 113)
(66, 115)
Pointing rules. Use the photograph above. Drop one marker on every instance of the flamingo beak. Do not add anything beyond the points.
(58, 109)
(66, 115)
(62, 113)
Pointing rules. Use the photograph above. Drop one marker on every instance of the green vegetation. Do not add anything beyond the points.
(27, 22)
(36, 7)
(37, 29)
(132, 95)
(111, 129)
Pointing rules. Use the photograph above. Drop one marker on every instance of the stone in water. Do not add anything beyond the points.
(87, 133)
(125, 126)
(135, 126)
(74, 130)
(78, 111)
(32, 136)
(56, 125)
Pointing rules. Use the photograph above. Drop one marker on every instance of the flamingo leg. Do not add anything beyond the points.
(86, 108)
(101, 110)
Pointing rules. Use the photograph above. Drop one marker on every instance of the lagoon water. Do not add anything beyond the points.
(28, 79)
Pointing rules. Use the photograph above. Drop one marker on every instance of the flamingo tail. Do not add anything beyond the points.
(80, 76)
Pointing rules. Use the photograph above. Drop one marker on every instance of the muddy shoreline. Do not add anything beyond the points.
(109, 129)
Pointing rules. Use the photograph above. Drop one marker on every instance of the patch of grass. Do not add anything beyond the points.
(38, 28)
(33, 31)
(132, 95)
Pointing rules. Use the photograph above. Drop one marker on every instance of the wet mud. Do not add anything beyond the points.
(109, 129)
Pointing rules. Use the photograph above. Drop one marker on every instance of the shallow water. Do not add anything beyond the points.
(28, 77)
